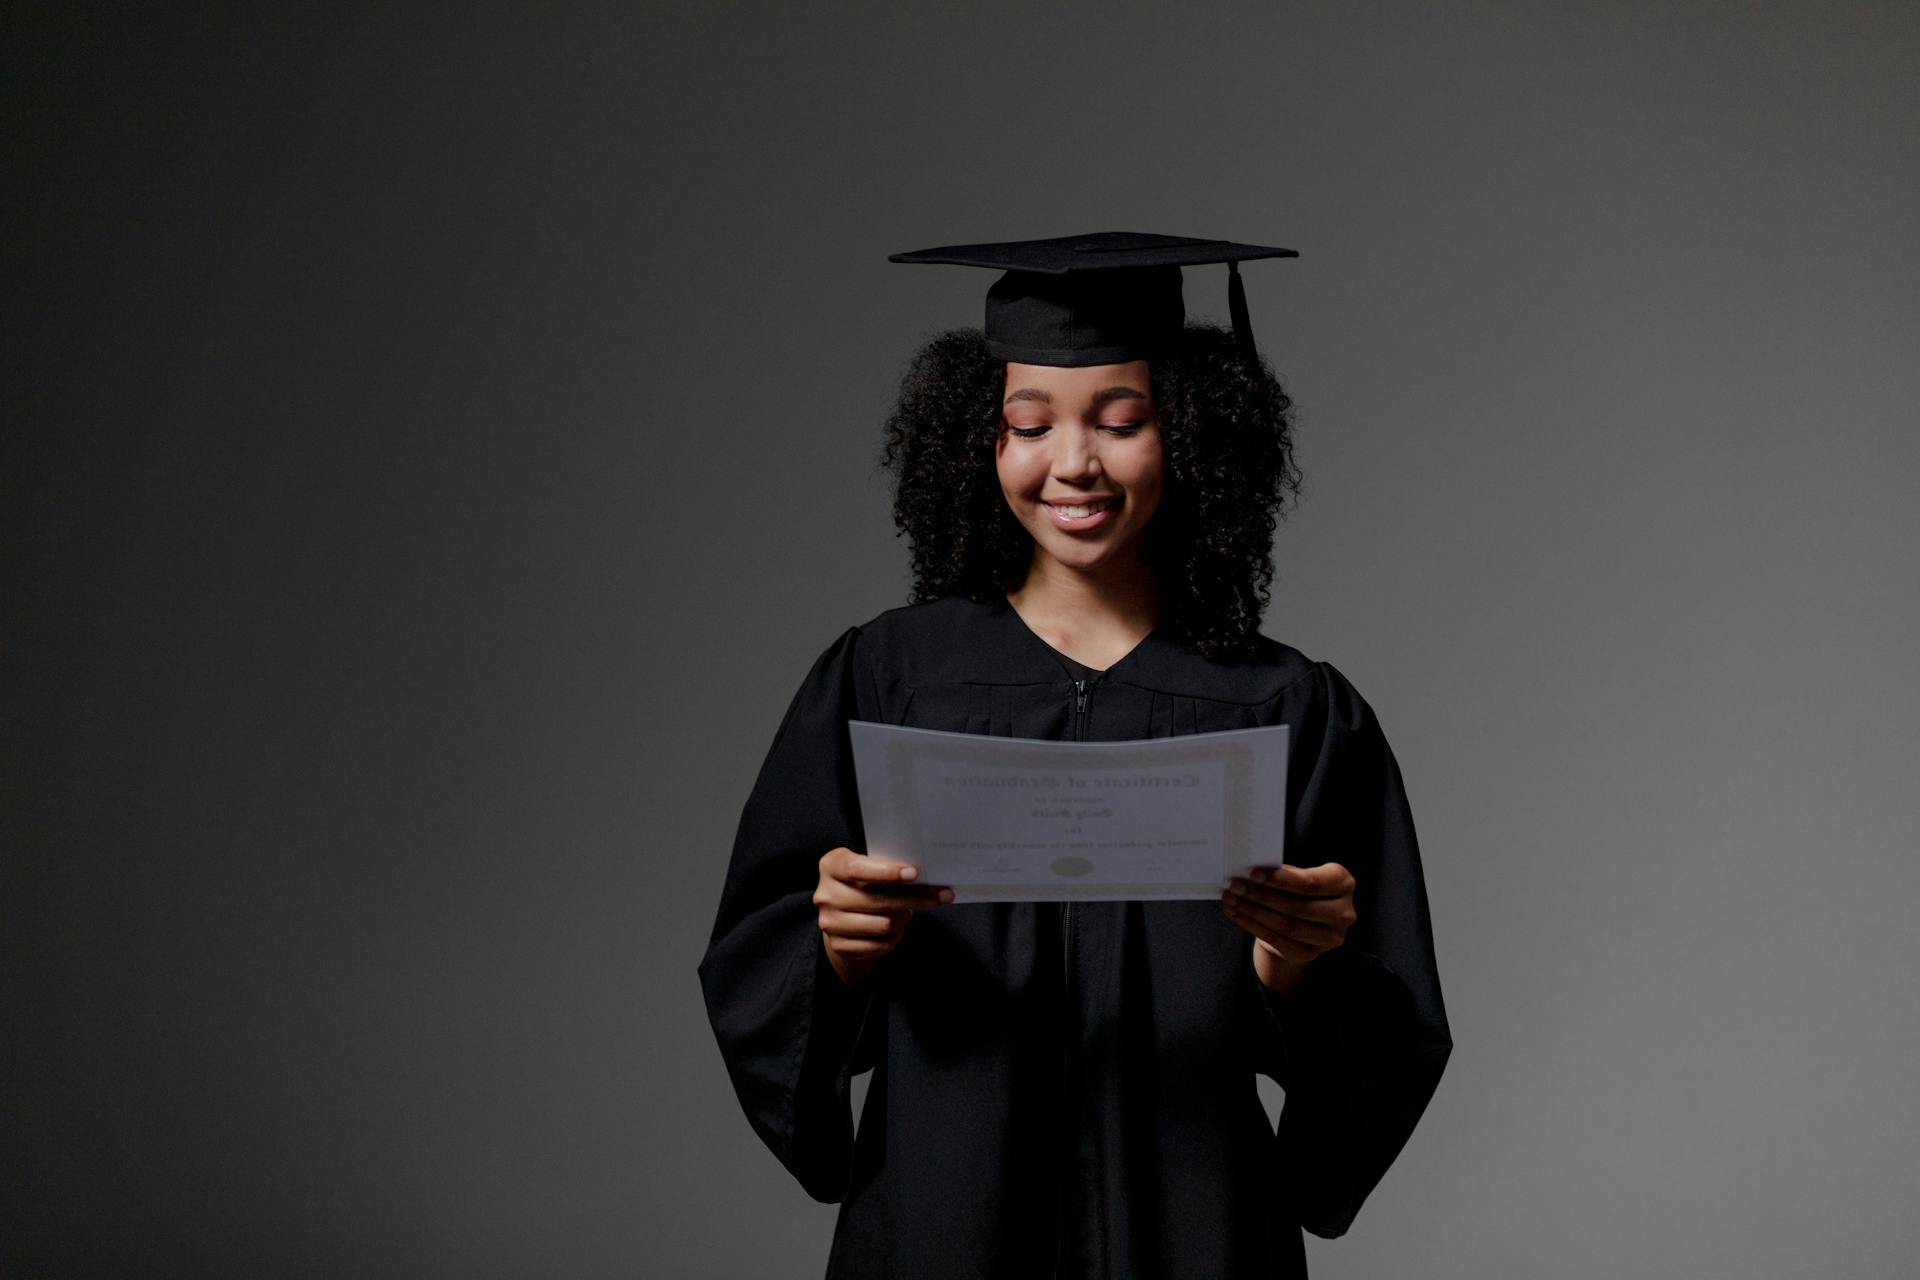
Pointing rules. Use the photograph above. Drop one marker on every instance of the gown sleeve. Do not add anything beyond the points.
(1361, 1046)
(790, 1032)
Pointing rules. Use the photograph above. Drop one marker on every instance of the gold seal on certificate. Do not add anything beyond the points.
(1027, 820)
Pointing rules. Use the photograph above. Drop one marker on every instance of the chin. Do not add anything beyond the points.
(1084, 559)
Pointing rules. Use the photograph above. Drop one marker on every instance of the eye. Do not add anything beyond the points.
(1123, 428)
(1028, 433)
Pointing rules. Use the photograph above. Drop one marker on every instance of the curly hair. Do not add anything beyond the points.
(1226, 428)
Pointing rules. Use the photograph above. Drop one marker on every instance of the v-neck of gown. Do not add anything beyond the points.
(1075, 669)
(1078, 670)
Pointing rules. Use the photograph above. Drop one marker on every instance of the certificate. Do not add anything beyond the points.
(1027, 820)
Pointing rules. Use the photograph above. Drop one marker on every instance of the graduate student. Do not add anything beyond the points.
(1089, 486)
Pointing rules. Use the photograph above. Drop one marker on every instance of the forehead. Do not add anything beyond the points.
(1077, 382)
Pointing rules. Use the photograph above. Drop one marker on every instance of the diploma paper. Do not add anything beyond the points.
(1025, 820)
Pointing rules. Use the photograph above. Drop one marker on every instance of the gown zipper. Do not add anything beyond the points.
(1069, 1118)
(1066, 908)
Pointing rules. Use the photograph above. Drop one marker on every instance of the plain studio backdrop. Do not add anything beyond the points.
(438, 440)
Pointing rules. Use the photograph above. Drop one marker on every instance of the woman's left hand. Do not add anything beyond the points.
(1294, 914)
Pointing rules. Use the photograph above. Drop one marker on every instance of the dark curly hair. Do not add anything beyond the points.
(1226, 427)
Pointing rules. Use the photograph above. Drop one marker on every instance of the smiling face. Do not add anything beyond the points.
(1080, 461)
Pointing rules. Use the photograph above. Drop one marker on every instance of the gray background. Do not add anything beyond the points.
(438, 440)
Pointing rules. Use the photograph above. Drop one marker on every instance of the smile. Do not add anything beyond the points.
(1077, 516)
(1081, 509)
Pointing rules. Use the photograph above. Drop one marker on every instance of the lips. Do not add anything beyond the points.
(1087, 513)
(1078, 510)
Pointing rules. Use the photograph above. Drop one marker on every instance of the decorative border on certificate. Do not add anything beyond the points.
(1019, 819)
(903, 755)
(1047, 770)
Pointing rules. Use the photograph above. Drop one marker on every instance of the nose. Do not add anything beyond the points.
(1076, 459)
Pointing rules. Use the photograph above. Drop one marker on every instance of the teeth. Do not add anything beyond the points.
(1076, 513)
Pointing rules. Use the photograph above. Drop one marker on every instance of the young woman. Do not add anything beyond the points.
(1089, 486)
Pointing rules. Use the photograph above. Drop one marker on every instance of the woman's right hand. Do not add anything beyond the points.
(864, 906)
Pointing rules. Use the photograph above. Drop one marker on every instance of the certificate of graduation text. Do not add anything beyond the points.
(1027, 820)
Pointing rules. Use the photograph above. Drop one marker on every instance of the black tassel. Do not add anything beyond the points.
(1237, 308)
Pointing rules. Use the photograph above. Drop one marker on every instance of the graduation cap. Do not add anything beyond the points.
(1102, 298)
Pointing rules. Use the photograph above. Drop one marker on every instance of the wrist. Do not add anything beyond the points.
(1280, 976)
(854, 974)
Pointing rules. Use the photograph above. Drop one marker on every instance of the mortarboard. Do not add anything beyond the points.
(1102, 298)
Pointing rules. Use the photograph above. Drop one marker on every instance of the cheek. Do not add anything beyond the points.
(1015, 469)
(1145, 471)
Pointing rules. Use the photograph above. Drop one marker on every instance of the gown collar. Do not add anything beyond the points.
(1032, 655)
(957, 640)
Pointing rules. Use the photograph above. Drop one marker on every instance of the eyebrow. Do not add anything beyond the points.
(1100, 398)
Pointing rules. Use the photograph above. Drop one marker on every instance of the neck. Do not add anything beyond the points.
(1114, 605)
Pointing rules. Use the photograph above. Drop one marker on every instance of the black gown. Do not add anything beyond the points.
(1069, 1091)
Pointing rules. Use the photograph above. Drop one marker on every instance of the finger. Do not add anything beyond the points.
(861, 924)
(1333, 912)
(913, 895)
(846, 864)
(1287, 946)
(862, 947)
(859, 906)
(1327, 880)
(862, 869)
(1279, 880)
(868, 897)
(1276, 940)
(1270, 924)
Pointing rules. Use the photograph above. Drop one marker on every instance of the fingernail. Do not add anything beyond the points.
(946, 895)
(909, 873)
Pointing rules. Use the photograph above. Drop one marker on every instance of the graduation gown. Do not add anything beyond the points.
(1069, 1090)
